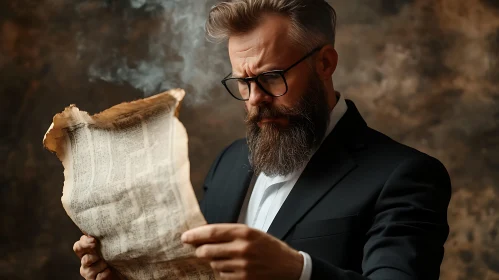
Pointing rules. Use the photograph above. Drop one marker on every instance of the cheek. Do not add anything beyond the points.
(297, 86)
(247, 107)
(290, 99)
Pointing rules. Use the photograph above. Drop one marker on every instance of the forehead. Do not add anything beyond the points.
(266, 47)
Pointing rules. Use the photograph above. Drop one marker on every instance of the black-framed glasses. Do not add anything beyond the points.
(272, 82)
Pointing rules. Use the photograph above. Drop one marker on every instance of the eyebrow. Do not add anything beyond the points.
(271, 67)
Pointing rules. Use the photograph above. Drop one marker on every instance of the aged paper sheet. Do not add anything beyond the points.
(127, 183)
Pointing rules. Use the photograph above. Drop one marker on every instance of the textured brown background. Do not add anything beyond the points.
(425, 72)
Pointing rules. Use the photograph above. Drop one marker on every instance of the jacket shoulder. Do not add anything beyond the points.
(390, 150)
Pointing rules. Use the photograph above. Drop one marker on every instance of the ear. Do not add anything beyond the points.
(326, 63)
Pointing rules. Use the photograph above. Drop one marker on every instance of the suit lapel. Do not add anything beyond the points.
(326, 168)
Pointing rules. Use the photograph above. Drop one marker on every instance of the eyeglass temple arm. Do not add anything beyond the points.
(227, 76)
(302, 59)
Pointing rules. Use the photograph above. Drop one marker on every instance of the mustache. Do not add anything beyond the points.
(270, 112)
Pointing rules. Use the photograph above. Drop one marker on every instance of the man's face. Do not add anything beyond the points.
(266, 48)
(281, 131)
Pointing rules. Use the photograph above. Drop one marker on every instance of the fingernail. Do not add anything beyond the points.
(184, 237)
(91, 239)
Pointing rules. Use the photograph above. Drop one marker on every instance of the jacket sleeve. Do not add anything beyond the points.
(409, 228)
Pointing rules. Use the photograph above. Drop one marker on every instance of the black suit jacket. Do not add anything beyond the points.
(365, 207)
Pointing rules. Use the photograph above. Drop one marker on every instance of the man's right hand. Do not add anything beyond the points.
(93, 267)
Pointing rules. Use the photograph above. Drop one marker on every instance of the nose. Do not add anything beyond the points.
(258, 96)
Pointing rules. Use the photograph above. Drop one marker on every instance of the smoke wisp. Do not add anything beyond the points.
(172, 52)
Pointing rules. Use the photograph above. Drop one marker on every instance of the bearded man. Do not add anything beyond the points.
(312, 192)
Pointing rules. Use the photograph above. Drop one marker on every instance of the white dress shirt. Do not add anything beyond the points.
(267, 194)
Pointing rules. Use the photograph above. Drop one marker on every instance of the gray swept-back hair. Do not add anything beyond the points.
(313, 21)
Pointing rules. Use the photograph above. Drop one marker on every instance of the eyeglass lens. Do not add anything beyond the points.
(273, 83)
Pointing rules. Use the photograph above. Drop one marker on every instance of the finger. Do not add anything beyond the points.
(84, 246)
(216, 233)
(222, 250)
(230, 265)
(92, 271)
(89, 259)
(107, 274)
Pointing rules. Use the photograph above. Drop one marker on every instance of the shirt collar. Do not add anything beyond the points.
(336, 114)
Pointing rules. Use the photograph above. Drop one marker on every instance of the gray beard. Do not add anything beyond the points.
(276, 150)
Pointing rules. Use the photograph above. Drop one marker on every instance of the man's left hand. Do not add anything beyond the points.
(236, 251)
